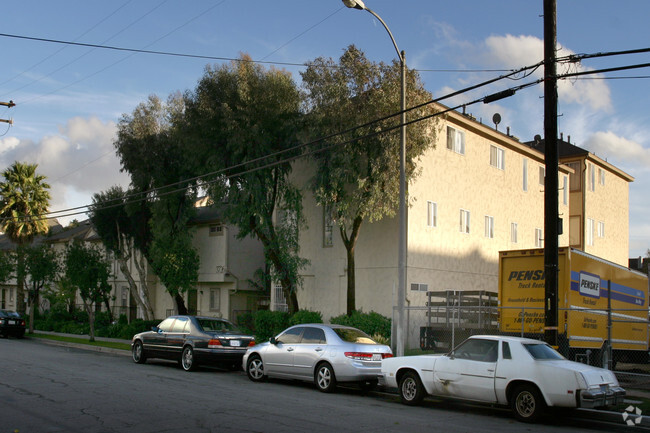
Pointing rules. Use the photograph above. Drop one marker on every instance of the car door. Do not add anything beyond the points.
(469, 371)
(175, 338)
(155, 342)
(309, 351)
(278, 356)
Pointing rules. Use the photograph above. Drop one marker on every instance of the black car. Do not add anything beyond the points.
(193, 340)
(11, 323)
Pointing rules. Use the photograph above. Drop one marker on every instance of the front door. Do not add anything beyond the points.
(469, 372)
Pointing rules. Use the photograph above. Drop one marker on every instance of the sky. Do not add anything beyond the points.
(70, 98)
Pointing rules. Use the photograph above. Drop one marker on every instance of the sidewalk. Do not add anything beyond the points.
(85, 346)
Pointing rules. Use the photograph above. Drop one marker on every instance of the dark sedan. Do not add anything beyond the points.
(193, 340)
(11, 323)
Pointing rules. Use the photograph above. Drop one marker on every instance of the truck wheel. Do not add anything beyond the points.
(527, 403)
(411, 391)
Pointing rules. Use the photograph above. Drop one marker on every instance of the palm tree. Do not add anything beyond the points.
(24, 198)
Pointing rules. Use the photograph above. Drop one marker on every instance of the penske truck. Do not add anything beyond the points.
(601, 305)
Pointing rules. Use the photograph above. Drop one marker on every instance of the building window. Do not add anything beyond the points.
(542, 175)
(11, 294)
(215, 299)
(589, 235)
(565, 191)
(216, 230)
(489, 227)
(328, 228)
(592, 177)
(497, 157)
(576, 177)
(464, 221)
(525, 174)
(419, 287)
(601, 176)
(513, 233)
(455, 140)
(432, 214)
(601, 229)
(539, 238)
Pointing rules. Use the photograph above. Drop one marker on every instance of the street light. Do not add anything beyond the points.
(403, 211)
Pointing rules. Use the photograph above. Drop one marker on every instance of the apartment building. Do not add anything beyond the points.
(480, 191)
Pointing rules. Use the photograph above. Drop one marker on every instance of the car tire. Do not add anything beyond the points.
(139, 357)
(255, 369)
(411, 390)
(324, 378)
(187, 359)
(527, 403)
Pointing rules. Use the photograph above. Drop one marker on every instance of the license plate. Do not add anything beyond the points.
(235, 343)
(12, 322)
(376, 356)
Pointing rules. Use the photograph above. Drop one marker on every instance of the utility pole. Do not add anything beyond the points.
(551, 211)
(7, 104)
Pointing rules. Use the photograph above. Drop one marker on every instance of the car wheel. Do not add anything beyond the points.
(255, 368)
(138, 354)
(324, 378)
(527, 403)
(187, 359)
(411, 391)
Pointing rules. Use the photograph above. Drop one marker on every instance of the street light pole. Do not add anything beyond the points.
(403, 209)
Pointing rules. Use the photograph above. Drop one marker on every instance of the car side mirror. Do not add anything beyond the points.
(272, 340)
(155, 329)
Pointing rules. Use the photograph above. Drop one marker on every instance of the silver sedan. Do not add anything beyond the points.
(325, 354)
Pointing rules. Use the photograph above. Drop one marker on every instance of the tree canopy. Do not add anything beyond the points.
(358, 180)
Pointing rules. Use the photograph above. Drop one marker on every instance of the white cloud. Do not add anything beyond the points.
(611, 146)
(78, 162)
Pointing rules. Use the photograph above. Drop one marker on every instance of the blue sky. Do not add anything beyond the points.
(70, 98)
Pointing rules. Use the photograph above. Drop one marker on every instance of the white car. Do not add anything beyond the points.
(528, 375)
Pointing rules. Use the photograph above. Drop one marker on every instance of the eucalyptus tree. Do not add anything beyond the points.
(125, 232)
(243, 122)
(24, 200)
(151, 151)
(357, 178)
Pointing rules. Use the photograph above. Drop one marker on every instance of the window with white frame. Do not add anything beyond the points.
(565, 190)
(525, 174)
(432, 214)
(328, 228)
(464, 221)
(513, 233)
(215, 299)
(575, 180)
(455, 140)
(497, 157)
(601, 176)
(419, 287)
(542, 174)
(592, 177)
(589, 235)
(601, 229)
(539, 238)
(489, 226)
(216, 230)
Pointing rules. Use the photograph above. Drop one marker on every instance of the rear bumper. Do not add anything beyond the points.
(219, 355)
(593, 398)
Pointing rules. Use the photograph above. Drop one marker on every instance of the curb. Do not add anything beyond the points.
(81, 346)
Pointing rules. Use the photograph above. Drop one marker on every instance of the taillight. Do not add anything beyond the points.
(251, 343)
(364, 356)
(214, 343)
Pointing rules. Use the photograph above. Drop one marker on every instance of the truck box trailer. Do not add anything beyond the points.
(601, 305)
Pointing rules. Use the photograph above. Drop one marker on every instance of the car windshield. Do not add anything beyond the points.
(353, 335)
(542, 351)
(216, 325)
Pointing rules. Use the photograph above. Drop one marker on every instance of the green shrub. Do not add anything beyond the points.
(246, 322)
(371, 323)
(305, 316)
(269, 324)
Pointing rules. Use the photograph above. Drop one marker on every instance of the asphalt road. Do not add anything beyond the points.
(46, 388)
